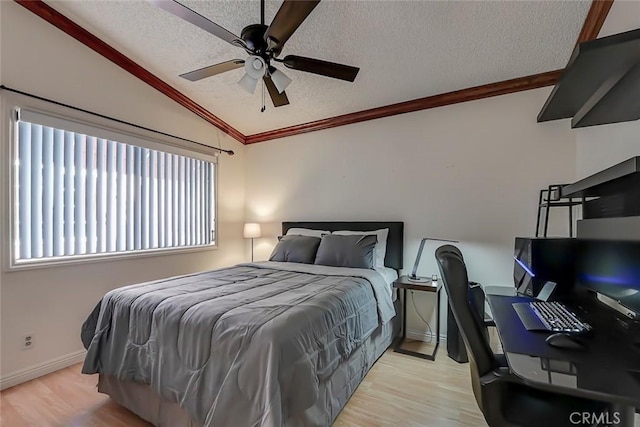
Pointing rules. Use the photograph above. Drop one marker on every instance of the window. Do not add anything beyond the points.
(79, 195)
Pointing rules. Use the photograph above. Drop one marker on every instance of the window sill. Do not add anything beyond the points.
(115, 256)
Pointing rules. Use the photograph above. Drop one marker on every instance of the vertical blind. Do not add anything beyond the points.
(79, 195)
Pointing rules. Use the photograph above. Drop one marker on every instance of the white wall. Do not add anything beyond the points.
(623, 16)
(600, 147)
(52, 303)
(469, 172)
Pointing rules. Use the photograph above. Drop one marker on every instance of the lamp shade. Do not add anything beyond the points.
(255, 67)
(248, 83)
(252, 230)
(280, 80)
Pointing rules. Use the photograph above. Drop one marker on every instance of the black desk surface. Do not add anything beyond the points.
(608, 370)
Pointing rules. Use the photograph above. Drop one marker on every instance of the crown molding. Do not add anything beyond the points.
(55, 18)
(598, 13)
(464, 95)
(591, 27)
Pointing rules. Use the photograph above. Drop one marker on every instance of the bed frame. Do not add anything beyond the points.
(395, 241)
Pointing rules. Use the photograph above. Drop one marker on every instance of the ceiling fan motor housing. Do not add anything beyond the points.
(253, 36)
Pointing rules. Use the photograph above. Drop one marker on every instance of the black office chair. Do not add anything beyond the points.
(476, 294)
(501, 397)
(456, 349)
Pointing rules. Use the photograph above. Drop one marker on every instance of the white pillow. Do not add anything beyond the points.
(381, 246)
(306, 232)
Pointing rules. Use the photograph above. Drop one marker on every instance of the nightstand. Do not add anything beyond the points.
(404, 283)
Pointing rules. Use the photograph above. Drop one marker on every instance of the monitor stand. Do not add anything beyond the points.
(610, 302)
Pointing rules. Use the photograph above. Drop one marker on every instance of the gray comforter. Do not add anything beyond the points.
(241, 346)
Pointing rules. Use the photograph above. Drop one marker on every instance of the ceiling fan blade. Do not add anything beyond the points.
(279, 99)
(323, 68)
(289, 17)
(212, 70)
(196, 19)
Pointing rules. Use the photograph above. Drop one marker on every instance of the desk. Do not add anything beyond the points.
(404, 283)
(608, 370)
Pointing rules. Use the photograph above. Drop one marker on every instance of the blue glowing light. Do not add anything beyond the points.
(612, 280)
(526, 268)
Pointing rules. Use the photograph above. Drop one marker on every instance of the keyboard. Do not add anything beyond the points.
(549, 316)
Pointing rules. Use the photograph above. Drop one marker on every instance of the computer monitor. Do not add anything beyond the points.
(541, 260)
(612, 269)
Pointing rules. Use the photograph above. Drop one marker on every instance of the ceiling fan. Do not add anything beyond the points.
(264, 44)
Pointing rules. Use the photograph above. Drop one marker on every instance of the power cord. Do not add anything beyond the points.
(413, 302)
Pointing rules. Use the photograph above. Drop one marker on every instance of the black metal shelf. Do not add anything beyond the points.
(560, 204)
(615, 179)
(599, 84)
(551, 197)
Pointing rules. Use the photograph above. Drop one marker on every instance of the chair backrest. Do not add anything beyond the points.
(456, 282)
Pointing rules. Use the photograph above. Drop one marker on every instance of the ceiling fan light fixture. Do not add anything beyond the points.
(263, 43)
(280, 80)
(248, 83)
(255, 67)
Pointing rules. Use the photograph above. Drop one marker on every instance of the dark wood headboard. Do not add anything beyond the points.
(395, 241)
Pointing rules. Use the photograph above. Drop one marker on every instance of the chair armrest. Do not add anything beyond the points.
(499, 374)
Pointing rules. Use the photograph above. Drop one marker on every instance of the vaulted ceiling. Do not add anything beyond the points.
(405, 49)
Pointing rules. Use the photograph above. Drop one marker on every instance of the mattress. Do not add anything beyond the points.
(143, 401)
(266, 344)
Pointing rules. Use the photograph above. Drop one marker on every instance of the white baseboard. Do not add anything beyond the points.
(425, 336)
(41, 369)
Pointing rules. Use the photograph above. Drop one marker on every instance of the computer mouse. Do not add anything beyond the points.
(565, 342)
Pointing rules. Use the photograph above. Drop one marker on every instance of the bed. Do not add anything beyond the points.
(257, 344)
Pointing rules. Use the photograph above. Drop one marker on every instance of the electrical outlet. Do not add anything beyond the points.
(28, 340)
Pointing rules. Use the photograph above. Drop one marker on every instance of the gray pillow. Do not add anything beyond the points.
(355, 251)
(293, 248)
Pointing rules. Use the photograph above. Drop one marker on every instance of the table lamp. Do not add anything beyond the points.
(413, 277)
(252, 231)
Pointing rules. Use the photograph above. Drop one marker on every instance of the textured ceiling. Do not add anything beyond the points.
(405, 49)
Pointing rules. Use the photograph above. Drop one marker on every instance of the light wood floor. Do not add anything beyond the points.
(406, 391)
(399, 391)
